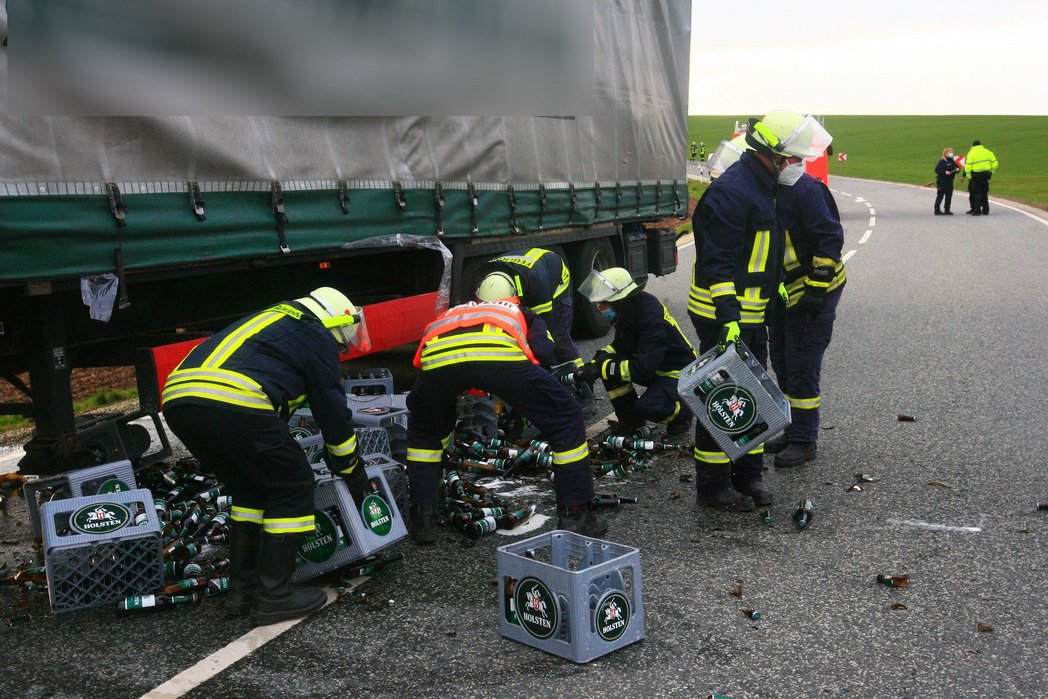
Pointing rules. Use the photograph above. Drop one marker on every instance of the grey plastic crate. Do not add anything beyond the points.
(377, 411)
(117, 476)
(479, 414)
(732, 410)
(365, 529)
(396, 477)
(369, 382)
(96, 554)
(570, 595)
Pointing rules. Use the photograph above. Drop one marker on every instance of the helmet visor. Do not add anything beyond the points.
(726, 155)
(809, 140)
(353, 328)
(596, 287)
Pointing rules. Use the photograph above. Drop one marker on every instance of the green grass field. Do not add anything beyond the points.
(906, 148)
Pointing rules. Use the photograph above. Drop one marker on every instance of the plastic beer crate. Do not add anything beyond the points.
(369, 382)
(96, 554)
(372, 526)
(733, 407)
(377, 411)
(570, 595)
(478, 413)
(396, 478)
(113, 477)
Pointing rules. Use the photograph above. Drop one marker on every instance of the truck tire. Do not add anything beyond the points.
(596, 253)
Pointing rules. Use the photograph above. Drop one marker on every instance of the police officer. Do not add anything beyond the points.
(649, 349)
(738, 253)
(800, 333)
(945, 171)
(229, 402)
(979, 166)
(499, 347)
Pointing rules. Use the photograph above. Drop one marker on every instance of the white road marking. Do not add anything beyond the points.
(845, 194)
(873, 221)
(934, 527)
(865, 237)
(859, 199)
(848, 255)
(873, 211)
(192, 677)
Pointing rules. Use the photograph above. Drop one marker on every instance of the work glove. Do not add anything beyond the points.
(729, 334)
(350, 468)
(590, 372)
(784, 295)
(815, 286)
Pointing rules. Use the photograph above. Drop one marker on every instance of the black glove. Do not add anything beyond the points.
(350, 468)
(814, 297)
(590, 372)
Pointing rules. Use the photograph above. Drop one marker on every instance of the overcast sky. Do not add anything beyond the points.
(875, 57)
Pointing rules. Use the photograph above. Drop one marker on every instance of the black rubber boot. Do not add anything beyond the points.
(580, 519)
(713, 488)
(682, 424)
(795, 454)
(423, 524)
(245, 540)
(755, 488)
(276, 597)
(775, 445)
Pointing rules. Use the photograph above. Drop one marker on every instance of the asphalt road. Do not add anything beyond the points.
(943, 319)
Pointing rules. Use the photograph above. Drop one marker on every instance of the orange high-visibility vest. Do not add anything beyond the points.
(501, 314)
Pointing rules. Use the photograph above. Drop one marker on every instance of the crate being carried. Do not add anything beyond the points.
(570, 595)
(734, 399)
(345, 531)
(101, 548)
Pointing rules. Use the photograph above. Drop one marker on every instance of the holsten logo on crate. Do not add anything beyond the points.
(536, 608)
(375, 512)
(100, 518)
(613, 616)
(113, 485)
(731, 408)
(323, 543)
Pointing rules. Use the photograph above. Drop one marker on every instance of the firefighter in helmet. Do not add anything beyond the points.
(649, 349)
(229, 402)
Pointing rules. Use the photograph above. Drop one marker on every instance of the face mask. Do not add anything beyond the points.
(791, 173)
(610, 314)
(949, 154)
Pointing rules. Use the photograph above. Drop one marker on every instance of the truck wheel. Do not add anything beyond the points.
(596, 253)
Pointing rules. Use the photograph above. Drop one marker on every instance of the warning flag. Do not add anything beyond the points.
(842, 157)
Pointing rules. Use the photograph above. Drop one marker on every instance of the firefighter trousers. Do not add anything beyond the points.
(530, 389)
(797, 344)
(659, 403)
(262, 466)
(709, 458)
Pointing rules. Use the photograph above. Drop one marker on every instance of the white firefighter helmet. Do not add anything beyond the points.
(728, 153)
(496, 286)
(787, 133)
(339, 315)
(610, 285)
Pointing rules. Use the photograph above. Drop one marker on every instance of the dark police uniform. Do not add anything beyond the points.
(813, 237)
(945, 172)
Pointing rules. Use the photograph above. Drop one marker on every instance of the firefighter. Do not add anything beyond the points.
(649, 349)
(542, 282)
(738, 253)
(800, 333)
(499, 347)
(702, 151)
(693, 151)
(229, 402)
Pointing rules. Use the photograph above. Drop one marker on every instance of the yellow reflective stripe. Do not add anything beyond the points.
(805, 403)
(286, 310)
(446, 442)
(565, 280)
(345, 448)
(676, 411)
(757, 450)
(210, 392)
(624, 370)
(296, 403)
(722, 289)
(429, 456)
(490, 355)
(700, 309)
(245, 514)
(789, 257)
(668, 317)
(229, 378)
(609, 349)
(759, 254)
(673, 374)
(460, 320)
(542, 308)
(235, 339)
(289, 525)
(578, 362)
(710, 457)
(620, 391)
(566, 457)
